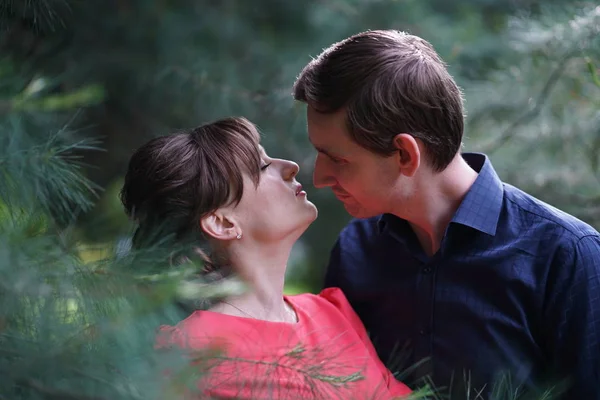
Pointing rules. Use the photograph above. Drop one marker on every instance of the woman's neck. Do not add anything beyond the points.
(263, 270)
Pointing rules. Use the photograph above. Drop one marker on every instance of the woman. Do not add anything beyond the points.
(216, 184)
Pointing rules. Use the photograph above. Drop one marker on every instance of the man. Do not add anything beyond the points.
(467, 276)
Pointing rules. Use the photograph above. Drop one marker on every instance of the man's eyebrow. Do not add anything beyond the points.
(321, 150)
(324, 151)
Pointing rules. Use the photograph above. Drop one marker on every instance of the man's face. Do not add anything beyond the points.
(365, 182)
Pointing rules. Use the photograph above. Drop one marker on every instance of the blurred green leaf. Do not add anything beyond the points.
(83, 97)
(593, 71)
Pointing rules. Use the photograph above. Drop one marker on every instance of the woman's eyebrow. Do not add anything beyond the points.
(262, 151)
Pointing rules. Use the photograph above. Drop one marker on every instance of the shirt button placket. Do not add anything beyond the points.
(424, 318)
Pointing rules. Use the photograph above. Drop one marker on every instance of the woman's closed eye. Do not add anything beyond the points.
(265, 166)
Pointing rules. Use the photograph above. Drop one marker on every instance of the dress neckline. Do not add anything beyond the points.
(297, 309)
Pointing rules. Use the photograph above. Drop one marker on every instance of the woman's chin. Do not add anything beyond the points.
(302, 219)
(311, 216)
(315, 212)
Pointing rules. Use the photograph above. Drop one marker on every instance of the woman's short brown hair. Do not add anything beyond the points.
(388, 82)
(173, 181)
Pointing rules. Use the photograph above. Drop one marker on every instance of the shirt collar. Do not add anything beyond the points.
(481, 207)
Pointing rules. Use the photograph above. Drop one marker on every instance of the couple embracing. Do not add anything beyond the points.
(467, 276)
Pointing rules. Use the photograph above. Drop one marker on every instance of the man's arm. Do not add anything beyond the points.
(332, 273)
(573, 316)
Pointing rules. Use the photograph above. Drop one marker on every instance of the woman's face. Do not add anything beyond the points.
(278, 207)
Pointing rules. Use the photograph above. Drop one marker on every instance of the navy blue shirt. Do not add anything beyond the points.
(514, 289)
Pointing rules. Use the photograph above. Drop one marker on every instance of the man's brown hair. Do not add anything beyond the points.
(173, 181)
(388, 82)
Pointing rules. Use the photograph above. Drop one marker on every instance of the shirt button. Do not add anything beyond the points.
(427, 270)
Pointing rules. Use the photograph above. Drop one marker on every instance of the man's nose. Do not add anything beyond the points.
(322, 176)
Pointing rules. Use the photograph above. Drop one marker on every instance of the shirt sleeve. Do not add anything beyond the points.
(337, 298)
(573, 316)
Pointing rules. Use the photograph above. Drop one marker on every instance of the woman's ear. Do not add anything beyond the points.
(408, 153)
(218, 225)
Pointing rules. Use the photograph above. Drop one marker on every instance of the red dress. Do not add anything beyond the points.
(325, 355)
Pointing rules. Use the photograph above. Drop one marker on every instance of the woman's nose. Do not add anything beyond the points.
(290, 169)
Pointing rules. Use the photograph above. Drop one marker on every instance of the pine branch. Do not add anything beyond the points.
(42, 15)
(509, 132)
(306, 372)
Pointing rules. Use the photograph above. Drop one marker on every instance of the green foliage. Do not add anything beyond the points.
(540, 114)
(68, 329)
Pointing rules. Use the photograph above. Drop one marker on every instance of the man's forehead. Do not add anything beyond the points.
(328, 145)
(321, 124)
(327, 139)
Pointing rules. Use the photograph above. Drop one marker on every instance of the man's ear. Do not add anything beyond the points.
(218, 225)
(408, 153)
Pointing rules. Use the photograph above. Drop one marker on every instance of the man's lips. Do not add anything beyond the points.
(341, 196)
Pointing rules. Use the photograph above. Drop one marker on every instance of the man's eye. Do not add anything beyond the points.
(331, 158)
(265, 166)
